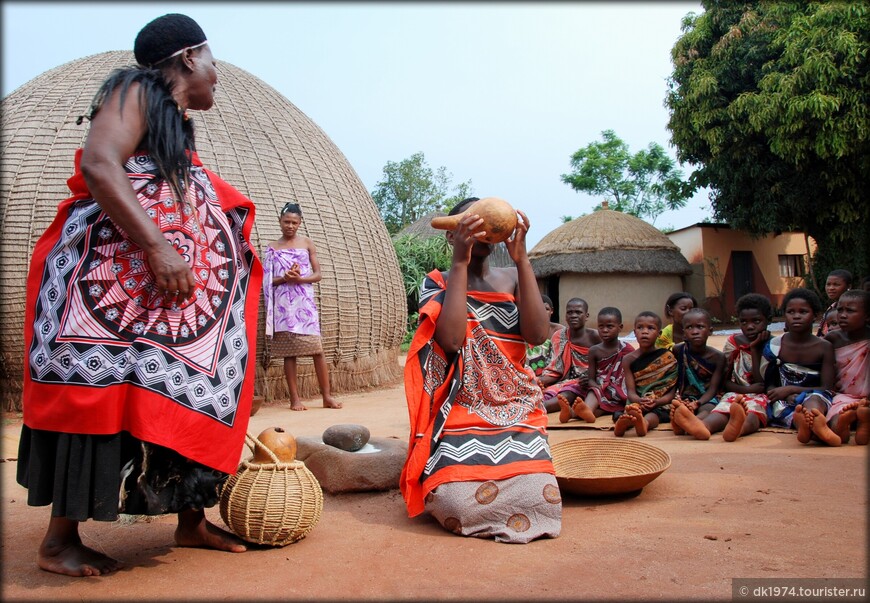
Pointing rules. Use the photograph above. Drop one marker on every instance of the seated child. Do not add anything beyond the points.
(538, 356)
(852, 357)
(742, 409)
(865, 284)
(676, 306)
(568, 368)
(800, 371)
(650, 380)
(699, 374)
(837, 282)
(606, 381)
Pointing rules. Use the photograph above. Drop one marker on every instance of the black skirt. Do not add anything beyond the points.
(99, 476)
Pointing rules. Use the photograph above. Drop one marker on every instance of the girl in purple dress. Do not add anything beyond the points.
(290, 268)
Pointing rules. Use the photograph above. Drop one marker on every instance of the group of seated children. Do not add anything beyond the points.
(816, 385)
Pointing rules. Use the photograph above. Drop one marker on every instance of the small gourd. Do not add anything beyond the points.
(280, 442)
(499, 219)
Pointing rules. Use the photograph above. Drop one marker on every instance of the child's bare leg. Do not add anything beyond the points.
(565, 413)
(62, 552)
(322, 372)
(623, 423)
(736, 419)
(290, 375)
(642, 422)
(803, 424)
(862, 433)
(583, 409)
(822, 431)
(841, 424)
(716, 422)
(195, 531)
(676, 428)
(691, 424)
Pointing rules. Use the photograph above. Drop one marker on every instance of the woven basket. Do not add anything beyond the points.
(596, 467)
(271, 503)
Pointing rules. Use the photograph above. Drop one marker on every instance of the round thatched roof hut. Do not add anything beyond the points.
(266, 147)
(609, 258)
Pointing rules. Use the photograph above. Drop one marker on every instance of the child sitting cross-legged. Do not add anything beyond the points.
(700, 370)
(606, 380)
(742, 409)
(650, 380)
(851, 343)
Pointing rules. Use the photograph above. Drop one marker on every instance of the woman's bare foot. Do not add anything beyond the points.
(735, 421)
(822, 431)
(75, 559)
(862, 433)
(623, 424)
(686, 419)
(845, 420)
(297, 405)
(582, 411)
(564, 409)
(636, 414)
(195, 531)
(677, 429)
(804, 425)
(330, 402)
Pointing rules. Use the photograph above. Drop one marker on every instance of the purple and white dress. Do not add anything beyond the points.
(292, 321)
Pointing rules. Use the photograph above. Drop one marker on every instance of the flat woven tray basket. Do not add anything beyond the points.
(274, 503)
(596, 466)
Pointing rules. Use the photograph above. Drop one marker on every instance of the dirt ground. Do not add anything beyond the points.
(762, 507)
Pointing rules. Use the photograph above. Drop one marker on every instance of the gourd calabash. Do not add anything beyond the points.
(499, 219)
(280, 442)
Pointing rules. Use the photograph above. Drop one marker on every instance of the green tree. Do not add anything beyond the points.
(418, 256)
(644, 184)
(769, 100)
(410, 189)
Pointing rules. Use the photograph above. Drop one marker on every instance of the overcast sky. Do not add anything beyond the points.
(499, 94)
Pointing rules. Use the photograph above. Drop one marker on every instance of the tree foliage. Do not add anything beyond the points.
(644, 184)
(770, 102)
(410, 189)
(418, 256)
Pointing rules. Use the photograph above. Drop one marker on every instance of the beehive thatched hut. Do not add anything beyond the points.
(266, 147)
(609, 258)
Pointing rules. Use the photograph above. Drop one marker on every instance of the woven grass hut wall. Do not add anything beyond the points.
(266, 147)
(609, 258)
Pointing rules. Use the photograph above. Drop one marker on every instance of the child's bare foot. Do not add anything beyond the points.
(686, 419)
(845, 420)
(330, 402)
(195, 531)
(735, 421)
(804, 425)
(862, 433)
(582, 411)
(623, 423)
(822, 431)
(564, 409)
(75, 559)
(636, 414)
(297, 405)
(677, 429)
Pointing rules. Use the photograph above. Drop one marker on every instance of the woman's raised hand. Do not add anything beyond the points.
(516, 244)
(465, 235)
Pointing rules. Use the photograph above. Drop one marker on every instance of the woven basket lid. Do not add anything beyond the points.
(256, 140)
(607, 241)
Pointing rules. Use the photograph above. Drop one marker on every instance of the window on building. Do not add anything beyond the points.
(791, 265)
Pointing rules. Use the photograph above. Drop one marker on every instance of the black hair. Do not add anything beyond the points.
(845, 275)
(291, 208)
(460, 207)
(702, 312)
(864, 296)
(164, 36)
(610, 311)
(675, 297)
(170, 137)
(649, 314)
(755, 301)
(805, 294)
(578, 300)
(547, 300)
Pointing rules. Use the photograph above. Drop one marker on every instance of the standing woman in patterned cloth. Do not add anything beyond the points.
(292, 322)
(139, 328)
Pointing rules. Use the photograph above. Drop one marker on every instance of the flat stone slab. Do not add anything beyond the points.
(374, 467)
